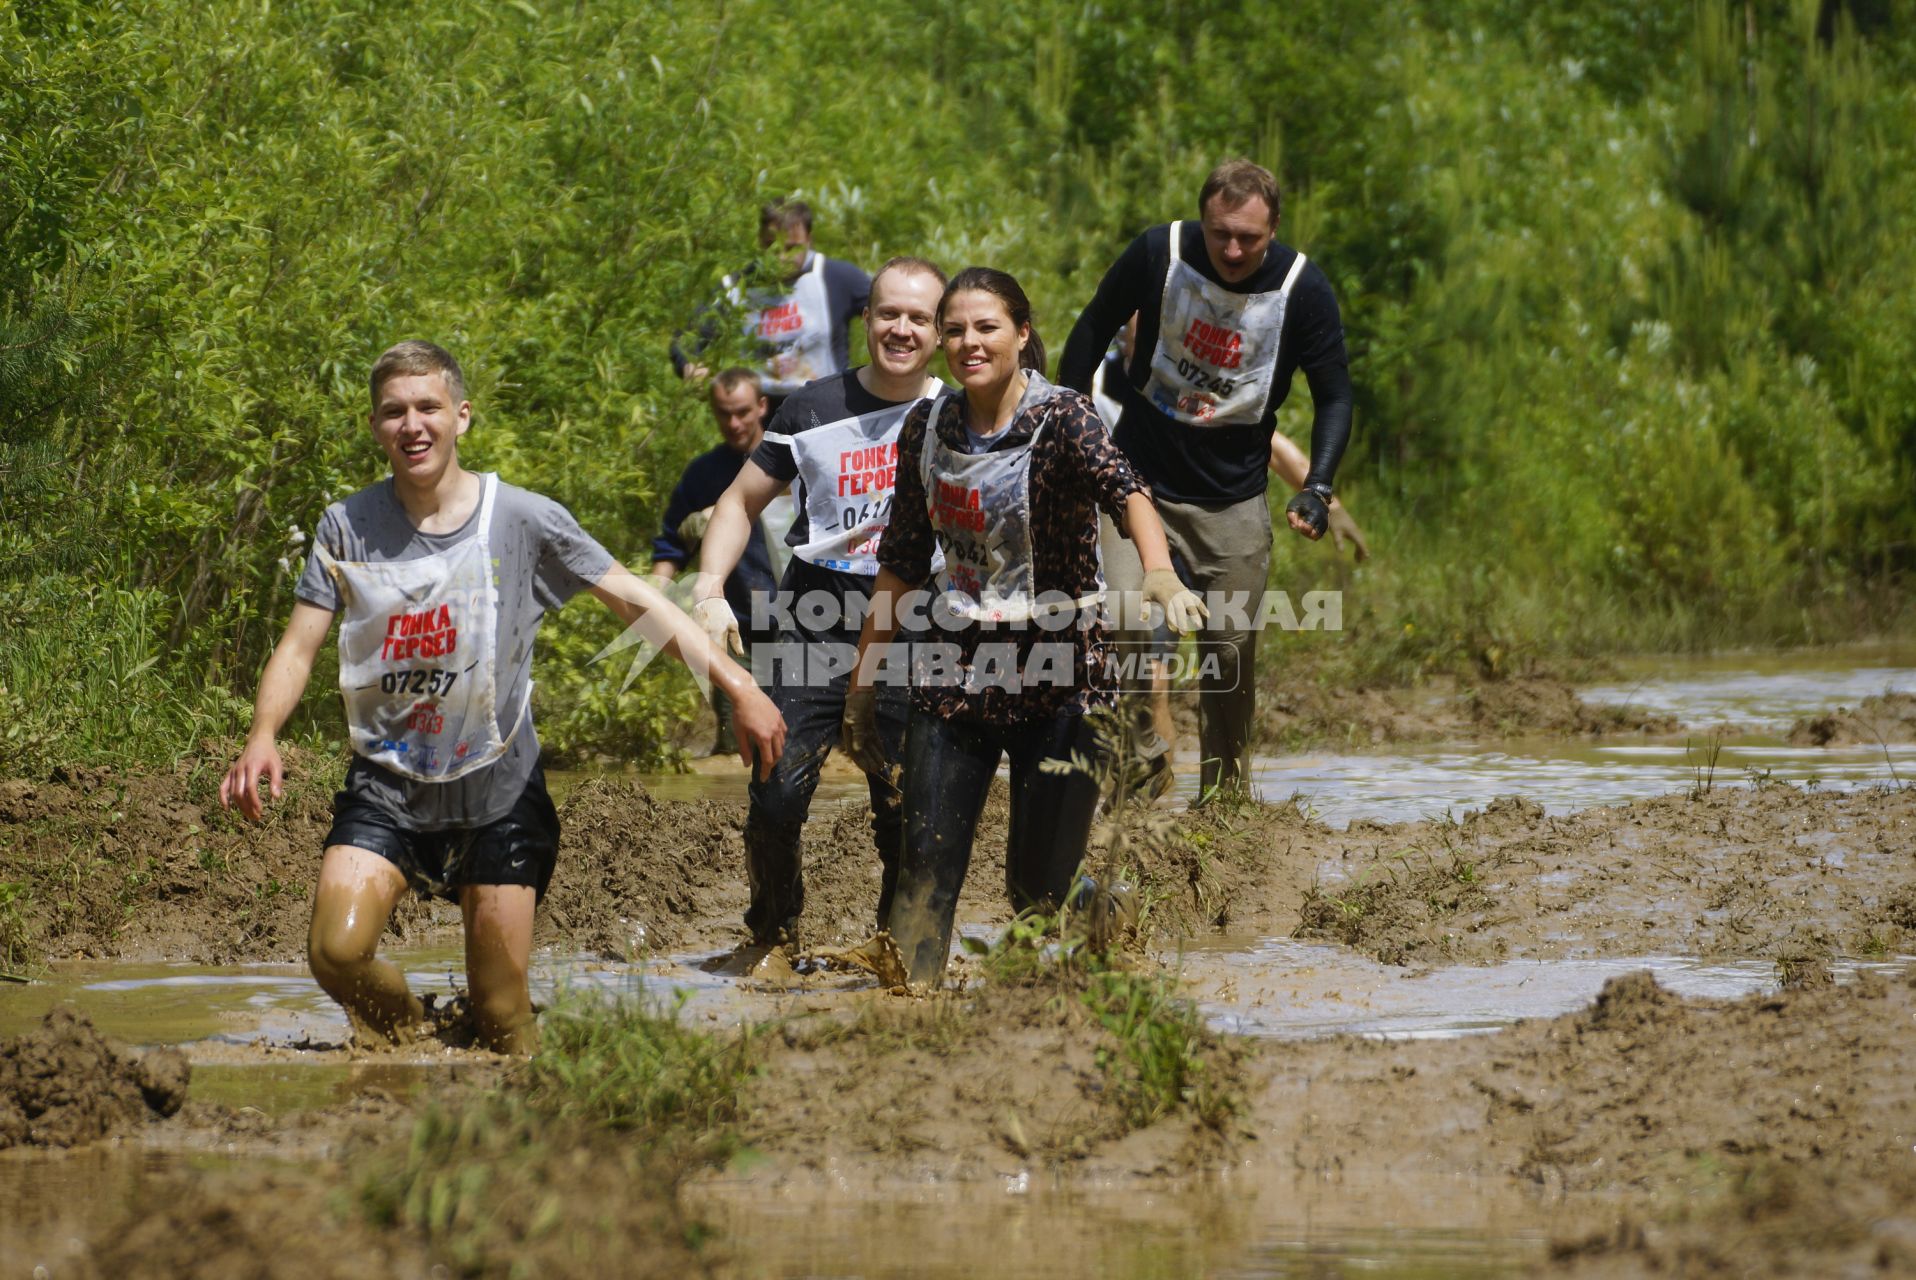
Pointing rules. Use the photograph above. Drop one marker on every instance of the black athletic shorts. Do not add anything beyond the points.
(520, 848)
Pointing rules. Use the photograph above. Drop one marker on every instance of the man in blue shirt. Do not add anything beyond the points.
(739, 407)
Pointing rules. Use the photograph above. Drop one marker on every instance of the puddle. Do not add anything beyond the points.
(1245, 1226)
(1277, 988)
(1758, 692)
(1426, 782)
(209, 1012)
(1753, 694)
(1250, 1224)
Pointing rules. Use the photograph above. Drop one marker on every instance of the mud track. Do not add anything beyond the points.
(1645, 1134)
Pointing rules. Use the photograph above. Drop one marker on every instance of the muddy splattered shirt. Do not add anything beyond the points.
(1075, 469)
(544, 558)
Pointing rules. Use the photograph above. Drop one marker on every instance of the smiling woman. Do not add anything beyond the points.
(1005, 478)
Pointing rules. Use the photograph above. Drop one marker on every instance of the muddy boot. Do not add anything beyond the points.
(1102, 916)
(774, 870)
(921, 925)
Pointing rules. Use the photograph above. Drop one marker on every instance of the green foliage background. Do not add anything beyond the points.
(1626, 287)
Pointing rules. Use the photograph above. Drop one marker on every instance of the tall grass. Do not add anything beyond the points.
(1624, 289)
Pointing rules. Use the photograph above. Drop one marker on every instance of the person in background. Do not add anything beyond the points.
(738, 406)
(798, 325)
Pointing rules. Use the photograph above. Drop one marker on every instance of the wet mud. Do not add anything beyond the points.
(1295, 711)
(955, 1088)
(1646, 1133)
(1769, 1135)
(117, 868)
(1764, 871)
(65, 1084)
(149, 867)
(641, 875)
(1876, 720)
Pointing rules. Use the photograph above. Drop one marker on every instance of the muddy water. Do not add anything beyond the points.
(1265, 987)
(1755, 697)
(1254, 1222)
(1761, 692)
(264, 1036)
(1426, 782)
(1278, 988)
(1246, 1224)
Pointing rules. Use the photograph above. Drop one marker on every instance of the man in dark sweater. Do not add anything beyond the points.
(836, 443)
(1226, 316)
(740, 409)
(798, 326)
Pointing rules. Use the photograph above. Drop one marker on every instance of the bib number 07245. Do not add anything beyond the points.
(1204, 380)
(433, 680)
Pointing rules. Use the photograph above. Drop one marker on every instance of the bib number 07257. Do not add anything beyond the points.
(433, 680)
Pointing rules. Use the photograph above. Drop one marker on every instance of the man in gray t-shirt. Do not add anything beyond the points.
(544, 559)
(438, 578)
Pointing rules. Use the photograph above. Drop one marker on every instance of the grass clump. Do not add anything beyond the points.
(1160, 1058)
(628, 1067)
(1393, 906)
(1165, 1058)
(580, 1157)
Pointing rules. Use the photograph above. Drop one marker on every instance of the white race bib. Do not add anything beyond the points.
(1216, 355)
(418, 649)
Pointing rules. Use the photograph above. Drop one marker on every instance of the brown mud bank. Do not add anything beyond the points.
(1766, 871)
(1876, 720)
(1769, 1135)
(147, 866)
(1645, 1134)
(1293, 711)
(144, 868)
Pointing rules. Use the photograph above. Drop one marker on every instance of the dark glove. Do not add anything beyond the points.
(1312, 510)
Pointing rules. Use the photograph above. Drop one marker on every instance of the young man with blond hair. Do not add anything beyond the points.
(439, 577)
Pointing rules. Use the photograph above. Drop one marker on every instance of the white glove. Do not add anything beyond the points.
(1183, 610)
(720, 623)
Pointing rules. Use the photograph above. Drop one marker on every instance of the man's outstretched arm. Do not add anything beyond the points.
(643, 607)
(280, 687)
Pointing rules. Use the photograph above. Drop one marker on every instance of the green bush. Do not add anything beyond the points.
(1625, 286)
